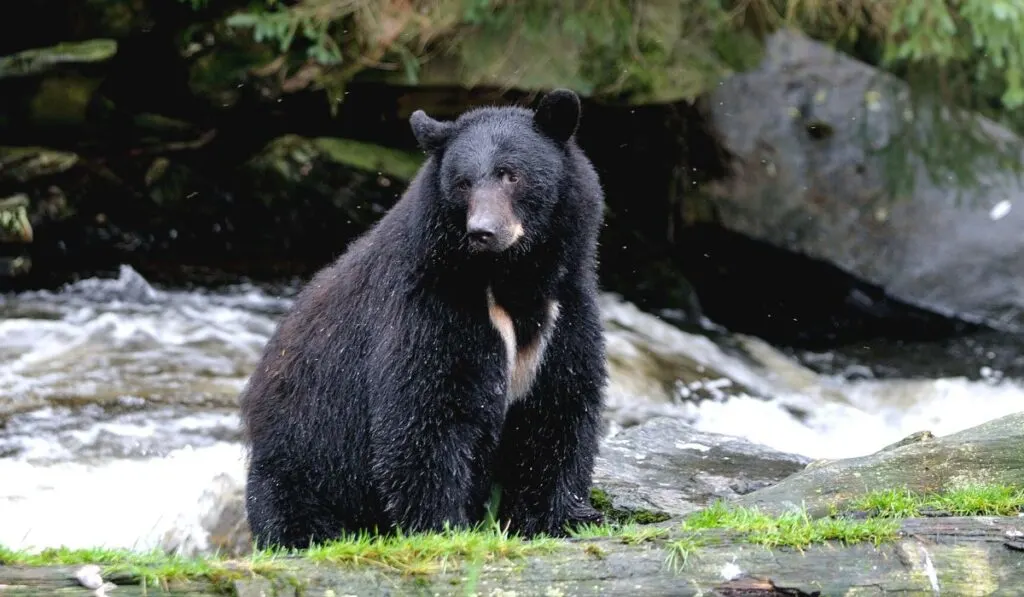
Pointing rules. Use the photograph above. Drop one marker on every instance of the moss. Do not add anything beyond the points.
(63, 100)
(14, 222)
(25, 163)
(647, 517)
(424, 553)
(151, 568)
(972, 499)
(370, 157)
(416, 554)
(595, 550)
(292, 156)
(600, 500)
(792, 529)
(883, 510)
(40, 60)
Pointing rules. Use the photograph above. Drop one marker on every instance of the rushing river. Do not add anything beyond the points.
(118, 424)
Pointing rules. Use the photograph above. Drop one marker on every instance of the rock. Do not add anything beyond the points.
(989, 453)
(656, 367)
(292, 157)
(664, 468)
(225, 519)
(651, 361)
(14, 224)
(21, 164)
(41, 60)
(324, 188)
(813, 135)
(11, 267)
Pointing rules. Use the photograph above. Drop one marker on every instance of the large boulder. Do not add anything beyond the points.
(814, 137)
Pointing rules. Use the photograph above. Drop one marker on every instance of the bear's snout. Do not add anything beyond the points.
(491, 225)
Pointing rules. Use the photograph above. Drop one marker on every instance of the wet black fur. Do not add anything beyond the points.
(379, 401)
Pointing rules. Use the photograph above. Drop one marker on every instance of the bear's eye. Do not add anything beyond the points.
(462, 184)
(508, 176)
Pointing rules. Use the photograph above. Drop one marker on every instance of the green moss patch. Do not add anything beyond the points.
(630, 534)
(152, 568)
(407, 554)
(426, 553)
(602, 502)
(966, 500)
(792, 529)
(370, 157)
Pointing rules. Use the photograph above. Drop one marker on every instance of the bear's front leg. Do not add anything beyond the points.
(551, 437)
(432, 455)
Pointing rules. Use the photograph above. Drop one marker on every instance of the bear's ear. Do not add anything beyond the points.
(558, 114)
(430, 134)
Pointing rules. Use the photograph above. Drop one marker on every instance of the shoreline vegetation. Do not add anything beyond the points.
(873, 519)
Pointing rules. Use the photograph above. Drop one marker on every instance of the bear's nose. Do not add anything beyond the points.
(480, 235)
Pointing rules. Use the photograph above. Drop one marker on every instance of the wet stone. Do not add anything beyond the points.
(664, 467)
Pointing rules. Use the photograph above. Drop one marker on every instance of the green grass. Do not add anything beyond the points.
(966, 500)
(792, 529)
(151, 568)
(680, 550)
(430, 552)
(407, 554)
(630, 534)
(883, 508)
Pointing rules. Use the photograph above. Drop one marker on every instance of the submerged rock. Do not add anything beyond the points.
(814, 137)
(665, 468)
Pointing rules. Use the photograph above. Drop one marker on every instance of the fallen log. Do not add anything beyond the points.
(930, 556)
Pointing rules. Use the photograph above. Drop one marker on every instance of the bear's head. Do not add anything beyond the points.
(501, 170)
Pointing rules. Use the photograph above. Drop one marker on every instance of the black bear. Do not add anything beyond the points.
(454, 346)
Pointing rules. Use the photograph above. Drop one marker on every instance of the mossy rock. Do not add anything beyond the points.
(21, 164)
(14, 224)
(42, 60)
(990, 453)
(600, 500)
(292, 156)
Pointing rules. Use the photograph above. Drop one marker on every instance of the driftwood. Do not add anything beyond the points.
(932, 556)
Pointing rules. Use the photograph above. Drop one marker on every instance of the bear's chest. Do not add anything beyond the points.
(524, 342)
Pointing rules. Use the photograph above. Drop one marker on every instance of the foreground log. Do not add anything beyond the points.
(931, 556)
